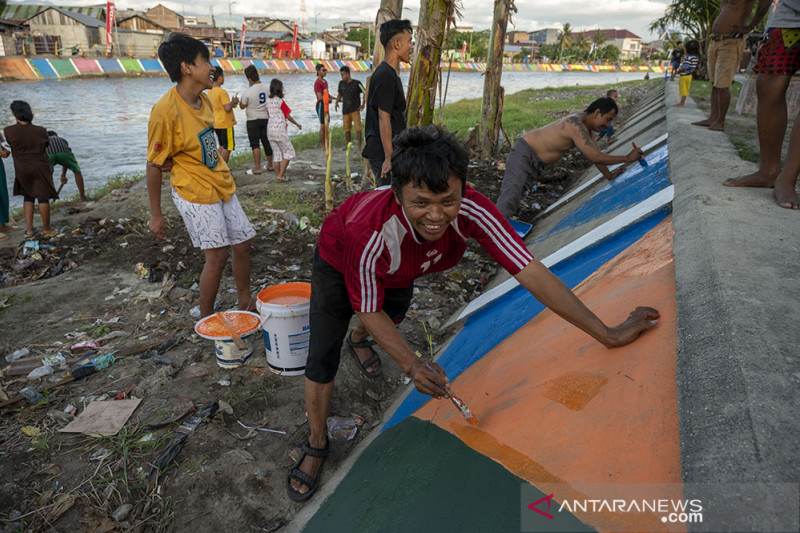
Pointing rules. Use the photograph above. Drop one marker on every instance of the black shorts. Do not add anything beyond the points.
(330, 314)
(321, 111)
(225, 139)
(377, 165)
(27, 197)
(257, 135)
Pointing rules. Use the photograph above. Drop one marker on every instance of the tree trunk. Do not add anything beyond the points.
(488, 135)
(434, 19)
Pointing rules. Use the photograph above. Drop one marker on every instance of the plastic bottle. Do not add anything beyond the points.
(19, 354)
(41, 372)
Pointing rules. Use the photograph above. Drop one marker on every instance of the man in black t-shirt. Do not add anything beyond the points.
(675, 59)
(386, 100)
(350, 92)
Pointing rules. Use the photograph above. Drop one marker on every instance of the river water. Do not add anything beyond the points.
(105, 120)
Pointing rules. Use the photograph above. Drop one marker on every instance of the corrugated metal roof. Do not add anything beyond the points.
(18, 12)
(86, 20)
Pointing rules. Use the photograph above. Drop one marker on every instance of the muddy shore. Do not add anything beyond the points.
(83, 285)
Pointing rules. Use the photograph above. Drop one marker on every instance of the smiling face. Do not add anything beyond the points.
(429, 213)
(201, 72)
(598, 121)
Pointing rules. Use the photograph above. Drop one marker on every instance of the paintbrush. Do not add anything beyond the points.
(458, 402)
(237, 339)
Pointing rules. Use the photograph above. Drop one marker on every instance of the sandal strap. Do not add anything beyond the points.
(315, 452)
(371, 361)
(304, 478)
(366, 343)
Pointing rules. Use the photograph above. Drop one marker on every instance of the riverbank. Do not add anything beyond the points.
(226, 477)
(20, 68)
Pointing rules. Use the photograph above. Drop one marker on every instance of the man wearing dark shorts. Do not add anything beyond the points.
(321, 90)
(373, 247)
(254, 103)
(386, 100)
(60, 153)
(778, 61)
(350, 94)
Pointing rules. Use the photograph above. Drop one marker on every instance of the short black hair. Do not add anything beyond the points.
(180, 48)
(320, 66)
(693, 47)
(51, 133)
(604, 104)
(345, 69)
(610, 92)
(390, 28)
(276, 88)
(22, 111)
(217, 73)
(251, 73)
(428, 156)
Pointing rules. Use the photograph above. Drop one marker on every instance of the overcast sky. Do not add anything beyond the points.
(633, 15)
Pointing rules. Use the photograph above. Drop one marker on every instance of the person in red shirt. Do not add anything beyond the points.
(321, 90)
(372, 248)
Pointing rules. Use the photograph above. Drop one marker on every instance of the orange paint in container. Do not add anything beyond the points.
(245, 323)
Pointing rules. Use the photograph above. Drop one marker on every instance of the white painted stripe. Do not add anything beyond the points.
(516, 252)
(54, 69)
(362, 270)
(640, 210)
(599, 177)
(373, 293)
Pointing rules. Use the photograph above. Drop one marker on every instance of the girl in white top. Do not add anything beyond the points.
(279, 114)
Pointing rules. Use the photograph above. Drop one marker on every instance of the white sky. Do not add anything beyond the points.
(633, 15)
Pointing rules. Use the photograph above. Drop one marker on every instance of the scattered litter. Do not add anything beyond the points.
(374, 395)
(18, 354)
(111, 336)
(123, 245)
(195, 311)
(84, 345)
(121, 512)
(100, 454)
(224, 382)
(57, 359)
(70, 409)
(110, 297)
(102, 418)
(167, 248)
(181, 434)
(266, 430)
(31, 395)
(340, 428)
(41, 372)
(141, 271)
(146, 438)
(225, 407)
(260, 474)
(32, 431)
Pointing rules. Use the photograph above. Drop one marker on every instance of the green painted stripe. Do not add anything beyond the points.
(63, 67)
(417, 477)
(131, 65)
(236, 64)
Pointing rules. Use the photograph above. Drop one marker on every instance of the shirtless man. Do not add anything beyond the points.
(548, 144)
(725, 49)
(778, 60)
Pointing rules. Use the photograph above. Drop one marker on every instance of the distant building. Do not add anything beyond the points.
(139, 22)
(70, 29)
(198, 20)
(166, 17)
(20, 13)
(513, 37)
(268, 24)
(347, 26)
(629, 44)
(545, 36)
(9, 31)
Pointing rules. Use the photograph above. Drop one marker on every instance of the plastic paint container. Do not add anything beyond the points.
(284, 315)
(247, 325)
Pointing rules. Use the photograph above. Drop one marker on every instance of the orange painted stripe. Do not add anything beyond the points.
(225, 64)
(16, 67)
(555, 406)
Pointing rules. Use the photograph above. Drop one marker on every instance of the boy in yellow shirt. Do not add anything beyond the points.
(223, 114)
(180, 137)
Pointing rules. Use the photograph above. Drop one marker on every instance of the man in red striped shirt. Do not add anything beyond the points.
(373, 247)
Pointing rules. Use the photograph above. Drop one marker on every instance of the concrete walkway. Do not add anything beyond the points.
(701, 412)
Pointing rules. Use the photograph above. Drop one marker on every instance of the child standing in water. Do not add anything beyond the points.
(277, 129)
(34, 178)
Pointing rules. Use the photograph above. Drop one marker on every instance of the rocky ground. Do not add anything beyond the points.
(105, 282)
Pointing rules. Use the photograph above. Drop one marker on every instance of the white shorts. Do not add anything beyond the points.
(214, 225)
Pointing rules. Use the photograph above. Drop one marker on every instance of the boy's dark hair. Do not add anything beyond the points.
(393, 27)
(428, 156)
(320, 66)
(180, 48)
(51, 133)
(693, 47)
(604, 104)
(22, 111)
(345, 69)
(610, 92)
(276, 88)
(217, 73)
(251, 73)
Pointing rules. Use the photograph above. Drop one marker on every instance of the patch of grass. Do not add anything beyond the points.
(746, 150)
(293, 202)
(120, 181)
(14, 299)
(701, 90)
(261, 389)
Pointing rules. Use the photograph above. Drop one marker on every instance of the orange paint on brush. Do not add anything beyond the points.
(243, 323)
(555, 404)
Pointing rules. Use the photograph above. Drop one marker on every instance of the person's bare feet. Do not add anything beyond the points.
(706, 123)
(785, 194)
(717, 127)
(756, 179)
(677, 105)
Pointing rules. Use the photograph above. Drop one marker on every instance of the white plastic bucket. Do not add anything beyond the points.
(226, 352)
(284, 316)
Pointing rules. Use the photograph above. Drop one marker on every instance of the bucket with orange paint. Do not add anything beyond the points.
(247, 324)
(284, 316)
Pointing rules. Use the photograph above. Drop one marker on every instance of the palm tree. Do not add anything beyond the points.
(598, 40)
(582, 45)
(563, 40)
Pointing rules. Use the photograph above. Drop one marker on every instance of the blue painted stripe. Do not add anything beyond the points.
(44, 68)
(497, 321)
(151, 65)
(259, 64)
(635, 185)
(522, 228)
(110, 65)
(214, 63)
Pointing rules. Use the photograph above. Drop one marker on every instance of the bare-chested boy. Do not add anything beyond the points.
(725, 48)
(778, 61)
(548, 144)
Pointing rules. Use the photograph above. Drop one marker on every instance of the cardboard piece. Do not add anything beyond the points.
(104, 418)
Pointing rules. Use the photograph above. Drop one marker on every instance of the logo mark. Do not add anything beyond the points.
(548, 499)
